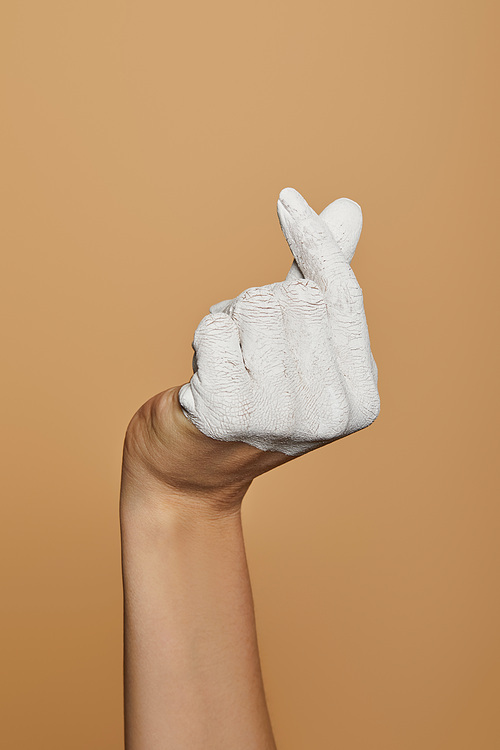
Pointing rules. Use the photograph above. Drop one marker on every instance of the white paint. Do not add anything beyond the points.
(287, 366)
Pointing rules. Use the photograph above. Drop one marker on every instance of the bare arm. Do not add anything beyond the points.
(279, 371)
(192, 670)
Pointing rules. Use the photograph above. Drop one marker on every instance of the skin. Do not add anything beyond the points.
(192, 675)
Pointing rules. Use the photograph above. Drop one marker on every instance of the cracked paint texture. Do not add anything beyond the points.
(287, 366)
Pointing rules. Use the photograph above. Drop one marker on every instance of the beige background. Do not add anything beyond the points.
(144, 145)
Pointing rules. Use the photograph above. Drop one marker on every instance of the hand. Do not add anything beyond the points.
(287, 367)
(279, 371)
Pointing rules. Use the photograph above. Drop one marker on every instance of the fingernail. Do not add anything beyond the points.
(294, 203)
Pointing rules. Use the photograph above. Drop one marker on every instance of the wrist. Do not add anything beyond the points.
(165, 455)
(142, 493)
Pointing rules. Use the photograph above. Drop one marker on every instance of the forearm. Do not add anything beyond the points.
(192, 670)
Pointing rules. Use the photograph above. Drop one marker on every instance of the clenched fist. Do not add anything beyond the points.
(287, 367)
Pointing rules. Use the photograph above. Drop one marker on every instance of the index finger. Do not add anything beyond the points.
(314, 248)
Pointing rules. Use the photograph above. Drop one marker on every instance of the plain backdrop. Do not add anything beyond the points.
(144, 145)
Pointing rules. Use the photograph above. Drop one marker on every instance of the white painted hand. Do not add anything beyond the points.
(287, 367)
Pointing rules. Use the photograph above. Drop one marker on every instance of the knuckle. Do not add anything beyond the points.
(254, 300)
(215, 321)
(254, 292)
(303, 290)
(212, 323)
